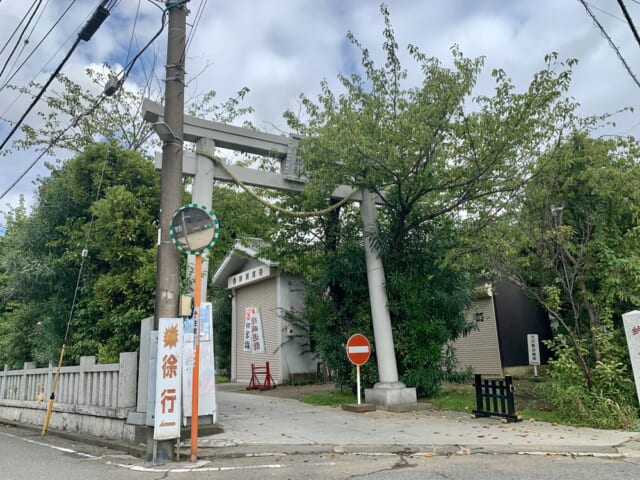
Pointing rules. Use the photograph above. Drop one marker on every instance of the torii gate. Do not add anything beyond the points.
(388, 391)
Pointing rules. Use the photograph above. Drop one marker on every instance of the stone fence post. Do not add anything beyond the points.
(3, 383)
(84, 395)
(22, 392)
(127, 380)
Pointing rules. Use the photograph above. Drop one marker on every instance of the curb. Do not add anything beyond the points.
(413, 451)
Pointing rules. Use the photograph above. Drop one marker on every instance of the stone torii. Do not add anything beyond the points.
(388, 392)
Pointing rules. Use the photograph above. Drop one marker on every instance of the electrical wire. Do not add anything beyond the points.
(127, 69)
(40, 93)
(623, 7)
(55, 54)
(27, 40)
(17, 28)
(125, 72)
(56, 23)
(85, 34)
(611, 42)
(133, 31)
(52, 143)
(86, 246)
(83, 255)
(15, 47)
(196, 23)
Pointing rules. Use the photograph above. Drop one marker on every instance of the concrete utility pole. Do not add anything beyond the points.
(168, 267)
(168, 272)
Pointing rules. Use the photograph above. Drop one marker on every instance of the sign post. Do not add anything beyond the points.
(533, 346)
(358, 352)
(194, 230)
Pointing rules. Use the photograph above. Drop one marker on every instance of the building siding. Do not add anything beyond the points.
(480, 349)
(260, 295)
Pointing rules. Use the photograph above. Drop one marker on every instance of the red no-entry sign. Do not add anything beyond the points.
(358, 349)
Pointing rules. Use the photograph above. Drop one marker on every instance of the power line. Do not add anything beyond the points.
(133, 31)
(196, 23)
(15, 47)
(17, 28)
(55, 54)
(109, 90)
(46, 35)
(613, 45)
(26, 41)
(98, 17)
(623, 7)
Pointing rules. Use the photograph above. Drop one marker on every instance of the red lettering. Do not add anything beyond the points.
(168, 399)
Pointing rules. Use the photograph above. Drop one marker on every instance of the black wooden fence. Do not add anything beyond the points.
(494, 397)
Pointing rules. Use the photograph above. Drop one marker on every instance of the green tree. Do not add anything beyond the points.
(573, 245)
(94, 214)
(443, 162)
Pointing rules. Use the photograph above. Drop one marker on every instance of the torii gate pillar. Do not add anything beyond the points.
(388, 392)
(202, 194)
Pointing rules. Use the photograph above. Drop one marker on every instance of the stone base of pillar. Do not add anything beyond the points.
(391, 395)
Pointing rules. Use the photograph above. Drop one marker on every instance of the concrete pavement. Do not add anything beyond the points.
(257, 425)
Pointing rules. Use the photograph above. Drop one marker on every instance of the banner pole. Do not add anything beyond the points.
(196, 359)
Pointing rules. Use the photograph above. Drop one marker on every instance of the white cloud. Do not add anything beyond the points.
(279, 49)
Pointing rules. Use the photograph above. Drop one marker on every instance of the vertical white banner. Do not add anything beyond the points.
(631, 323)
(168, 378)
(207, 376)
(253, 333)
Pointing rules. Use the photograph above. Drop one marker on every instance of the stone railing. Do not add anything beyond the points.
(89, 398)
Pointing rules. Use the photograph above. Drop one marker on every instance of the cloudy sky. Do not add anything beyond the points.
(281, 48)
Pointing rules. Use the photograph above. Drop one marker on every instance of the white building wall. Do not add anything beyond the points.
(296, 355)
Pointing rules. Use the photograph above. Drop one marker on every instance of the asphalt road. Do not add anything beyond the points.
(25, 455)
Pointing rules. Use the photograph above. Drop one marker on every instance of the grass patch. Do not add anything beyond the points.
(529, 402)
(455, 398)
(222, 379)
(330, 399)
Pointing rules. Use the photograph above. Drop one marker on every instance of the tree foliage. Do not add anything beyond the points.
(443, 162)
(573, 245)
(89, 238)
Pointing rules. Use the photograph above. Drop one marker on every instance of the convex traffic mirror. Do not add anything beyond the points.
(194, 229)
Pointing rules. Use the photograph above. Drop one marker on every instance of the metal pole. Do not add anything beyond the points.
(358, 381)
(195, 386)
(52, 398)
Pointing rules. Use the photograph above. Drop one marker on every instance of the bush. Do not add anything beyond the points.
(610, 402)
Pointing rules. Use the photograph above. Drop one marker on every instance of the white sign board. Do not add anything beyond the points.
(631, 323)
(533, 346)
(206, 376)
(253, 334)
(168, 377)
